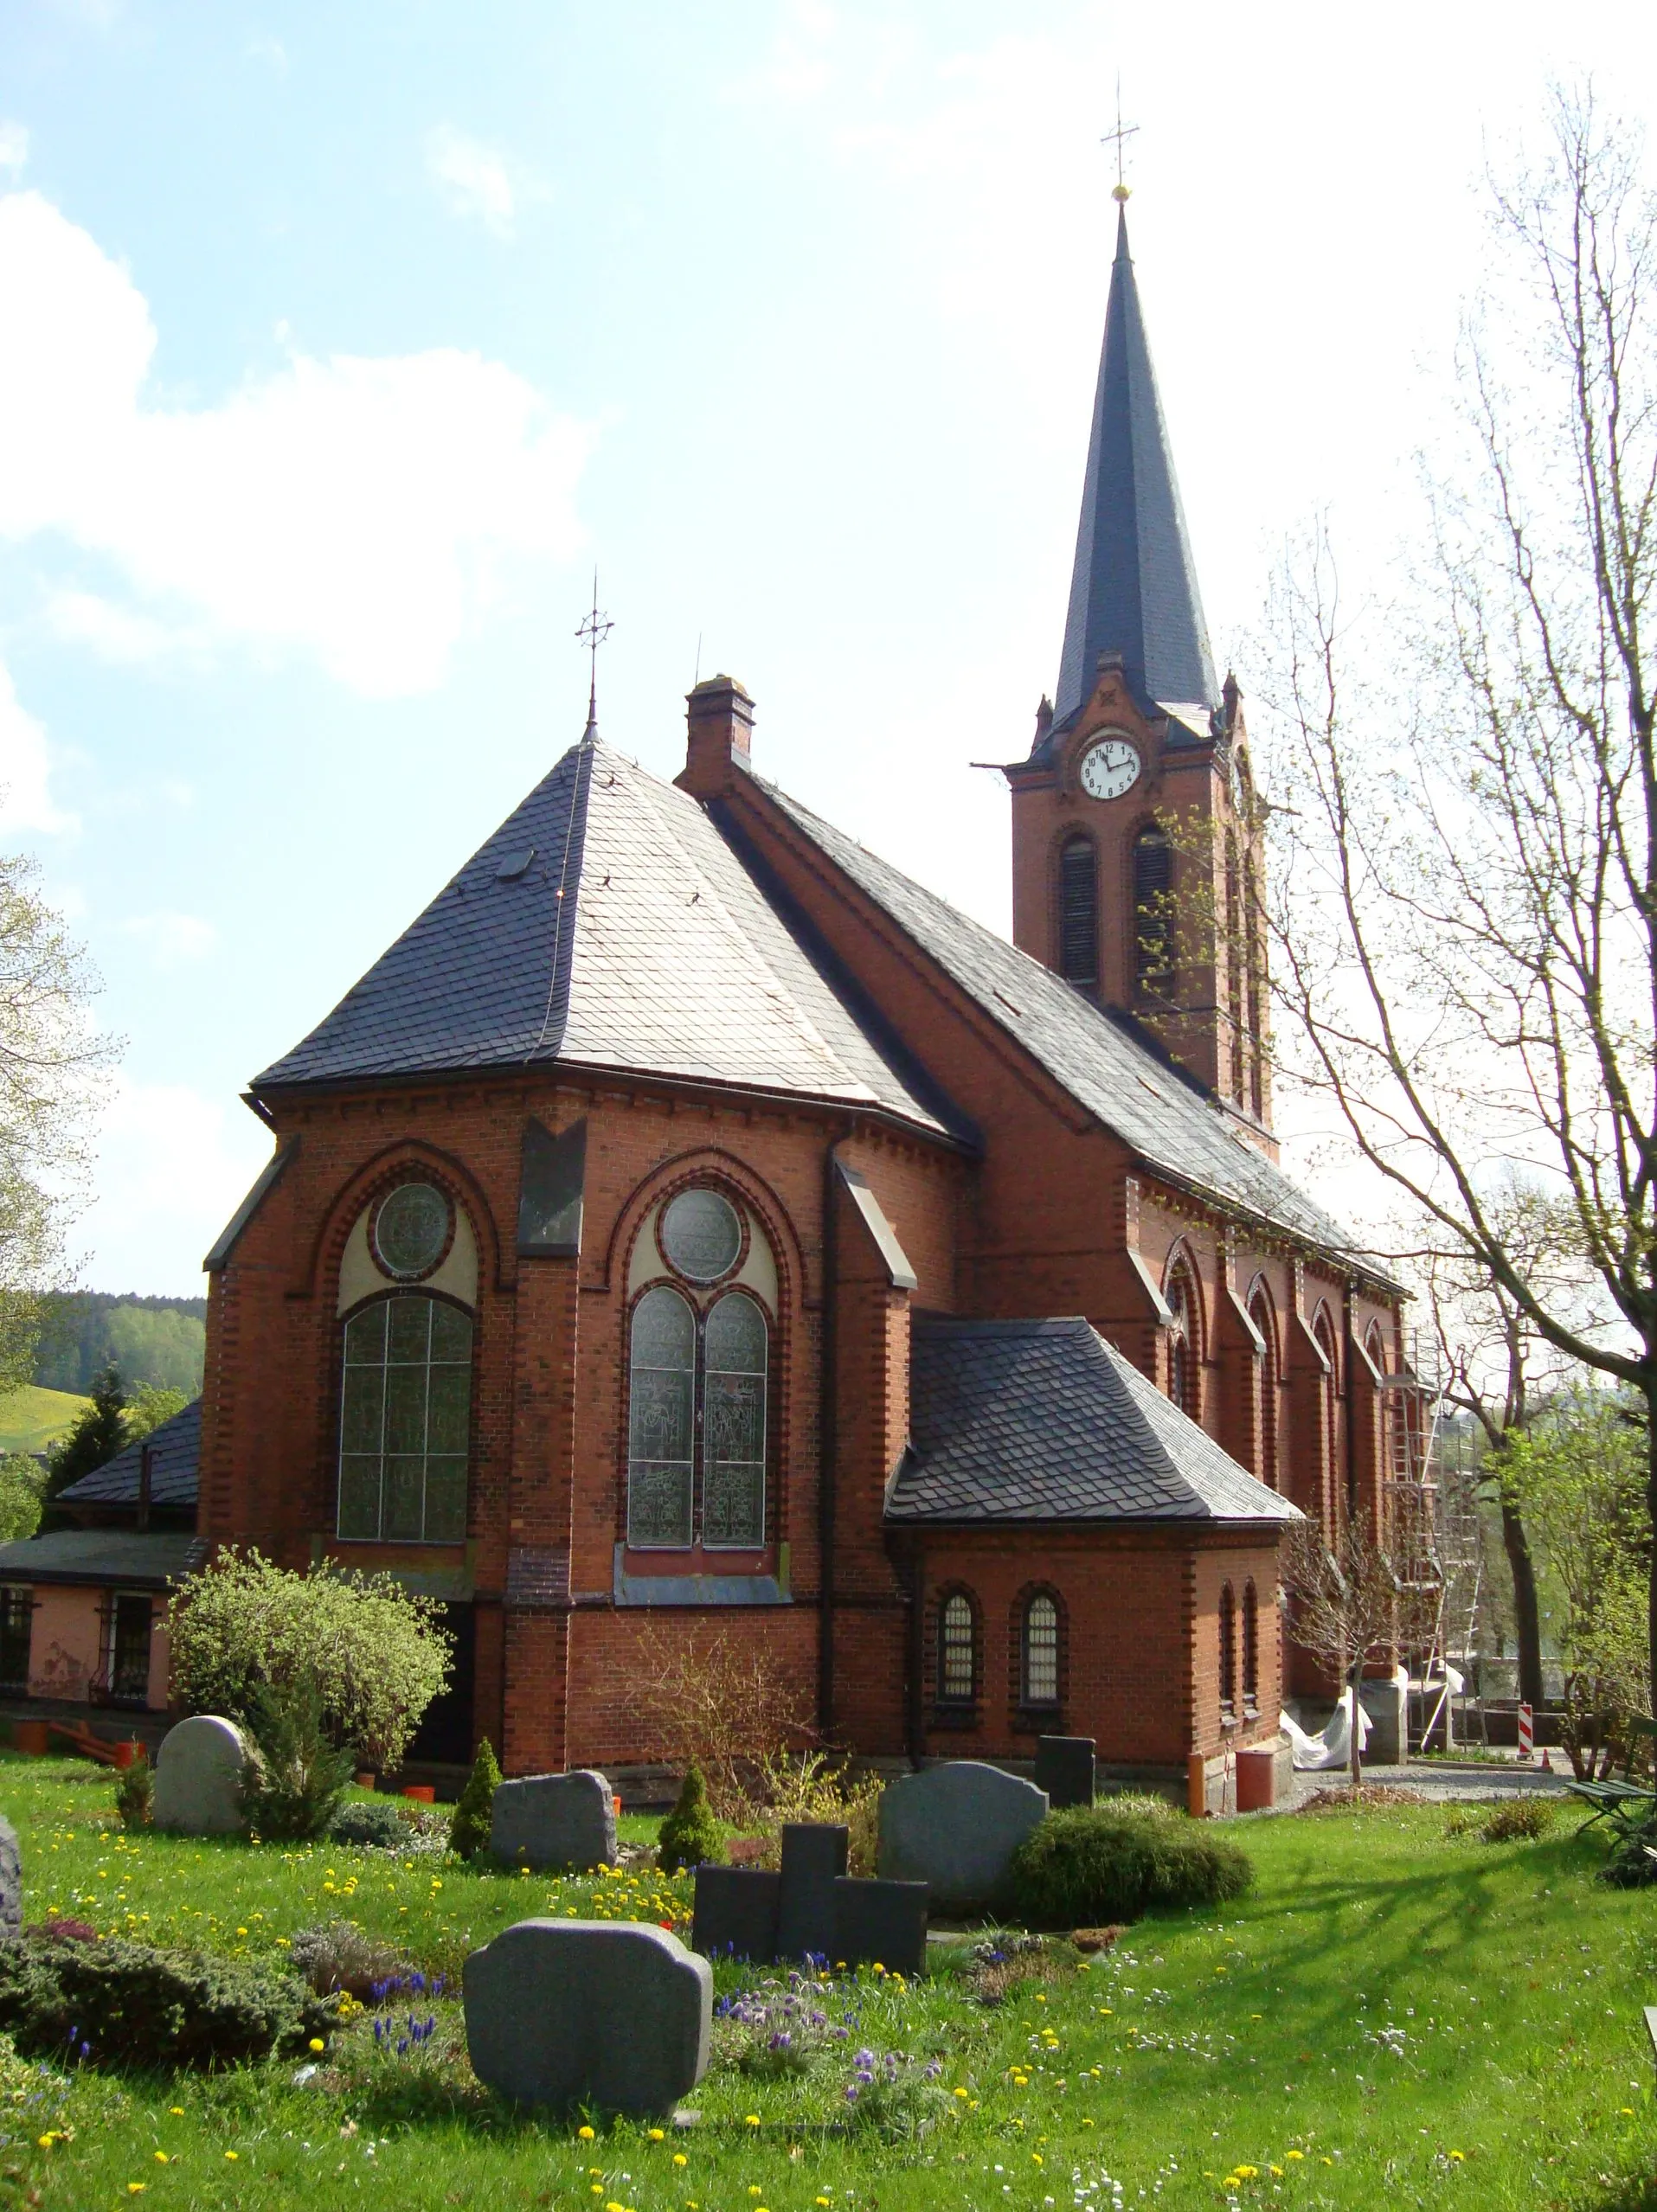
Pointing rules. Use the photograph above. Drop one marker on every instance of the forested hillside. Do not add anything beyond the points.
(157, 1340)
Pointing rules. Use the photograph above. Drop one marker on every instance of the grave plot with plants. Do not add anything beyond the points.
(1396, 2008)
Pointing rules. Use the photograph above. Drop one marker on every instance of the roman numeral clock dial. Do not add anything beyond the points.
(1110, 768)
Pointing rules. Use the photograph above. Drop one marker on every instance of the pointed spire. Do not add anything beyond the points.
(1133, 589)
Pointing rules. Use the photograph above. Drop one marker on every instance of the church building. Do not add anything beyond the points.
(691, 1226)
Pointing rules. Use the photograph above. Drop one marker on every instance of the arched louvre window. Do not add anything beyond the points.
(733, 1480)
(1038, 1651)
(405, 1421)
(1078, 898)
(1250, 1647)
(957, 1650)
(1153, 912)
(1254, 956)
(1228, 1651)
(696, 1405)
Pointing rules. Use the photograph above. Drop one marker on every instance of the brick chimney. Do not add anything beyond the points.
(721, 718)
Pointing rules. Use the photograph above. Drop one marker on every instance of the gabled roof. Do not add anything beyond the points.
(129, 1558)
(175, 1450)
(1171, 1125)
(1044, 1420)
(1134, 587)
(605, 924)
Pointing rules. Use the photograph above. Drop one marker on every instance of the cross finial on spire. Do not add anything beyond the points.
(1118, 137)
(593, 629)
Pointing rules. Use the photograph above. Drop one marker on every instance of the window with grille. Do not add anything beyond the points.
(1228, 1651)
(127, 1657)
(16, 1629)
(957, 1651)
(405, 1422)
(696, 1407)
(1078, 899)
(1250, 1647)
(1152, 911)
(1039, 1667)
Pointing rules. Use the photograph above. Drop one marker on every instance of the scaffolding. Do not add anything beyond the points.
(1433, 1532)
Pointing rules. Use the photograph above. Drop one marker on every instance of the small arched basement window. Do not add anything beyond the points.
(1228, 1651)
(1078, 905)
(1038, 1651)
(957, 1650)
(1154, 960)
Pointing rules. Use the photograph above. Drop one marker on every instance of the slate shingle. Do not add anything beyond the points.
(175, 1451)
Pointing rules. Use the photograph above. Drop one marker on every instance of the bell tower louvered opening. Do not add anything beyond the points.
(1078, 900)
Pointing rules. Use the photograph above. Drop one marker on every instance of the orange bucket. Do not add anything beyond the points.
(422, 1792)
(30, 1736)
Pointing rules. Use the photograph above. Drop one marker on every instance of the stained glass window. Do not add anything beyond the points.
(733, 1441)
(411, 1230)
(956, 1671)
(661, 1429)
(701, 1235)
(405, 1418)
(1041, 1651)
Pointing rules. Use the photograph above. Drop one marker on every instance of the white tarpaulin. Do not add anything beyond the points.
(1333, 1748)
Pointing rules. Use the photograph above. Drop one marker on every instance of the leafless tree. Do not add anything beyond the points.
(1464, 911)
(1348, 1604)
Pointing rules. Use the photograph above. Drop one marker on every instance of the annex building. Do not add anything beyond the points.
(692, 1226)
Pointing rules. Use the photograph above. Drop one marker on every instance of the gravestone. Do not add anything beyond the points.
(1064, 1769)
(736, 1913)
(956, 1827)
(555, 1820)
(883, 1922)
(11, 1881)
(615, 2014)
(813, 1859)
(198, 1778)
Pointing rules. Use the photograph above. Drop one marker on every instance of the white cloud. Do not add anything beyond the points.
(476, 179)
(356, 508)
(14, 148)
(26, 801)
(173, 939)
(173, 1166)
(114, 633)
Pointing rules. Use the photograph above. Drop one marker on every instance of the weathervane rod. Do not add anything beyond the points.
(593, 629)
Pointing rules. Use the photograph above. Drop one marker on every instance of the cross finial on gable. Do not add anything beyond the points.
(1118, 137)
(594, 628)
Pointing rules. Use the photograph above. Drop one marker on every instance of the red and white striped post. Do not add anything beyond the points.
(1526, 1731)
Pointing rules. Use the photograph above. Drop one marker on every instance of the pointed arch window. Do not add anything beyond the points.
(1153, 963)
(1323, 1331)
(957, 1650)
(697, 1407)
(1234, 1003)
(1228, 1652)
(1250, 1647)
(1260, 1313)
(1078, 903)
(1185, 1335)
(405, 1422)
(1038, 1651)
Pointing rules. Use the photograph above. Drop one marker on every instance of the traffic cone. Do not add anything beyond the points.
(1547, 1764)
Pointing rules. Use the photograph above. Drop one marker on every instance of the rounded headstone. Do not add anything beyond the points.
(198, 1778)
(555, 1820)
(956, 1827)
(11, 1881)
(617, 2013)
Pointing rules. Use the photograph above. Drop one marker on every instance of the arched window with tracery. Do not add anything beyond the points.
(1228, 1652)
(1260, 1312)
(1184, 1339)
(405, 1421)
(957, 1650)
(1038, 1651)
(1153, 948)
(1078, 910)
(1250, 1647)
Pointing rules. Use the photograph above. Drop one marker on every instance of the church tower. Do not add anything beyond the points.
(1136, 844)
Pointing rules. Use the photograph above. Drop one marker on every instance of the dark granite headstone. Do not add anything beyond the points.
(813, 1859)
(11, 1881)
(1064, 1770)
(881, 1922)
(736, 1913)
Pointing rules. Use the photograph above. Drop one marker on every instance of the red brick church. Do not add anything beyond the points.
(692, 1224)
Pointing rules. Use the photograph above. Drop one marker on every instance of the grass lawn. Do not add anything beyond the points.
(1390, 2017)
(31, 1418)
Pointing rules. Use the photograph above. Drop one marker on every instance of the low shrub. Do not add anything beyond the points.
(474, 1813)
(1091, 1866)
(690, 1835)
(298, 1775)
(132, 2004)
(342, 1956)
(1519, 1822)
(1633, 1862)
(376, 1825)
(135, 1792)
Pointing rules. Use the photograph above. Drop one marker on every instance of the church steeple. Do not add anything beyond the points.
(1133, 589)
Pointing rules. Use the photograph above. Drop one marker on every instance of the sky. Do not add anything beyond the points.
(338, 346)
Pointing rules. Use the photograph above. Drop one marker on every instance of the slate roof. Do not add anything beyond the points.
(1100, 1063)
(607, 924)
(175, 1456)
(143, 1559)
(1134, 587)
(1044, 1420)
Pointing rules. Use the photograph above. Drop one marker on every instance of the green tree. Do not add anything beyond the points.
(690, 1835)
(99, 1434)
(22, 1481)
(147, 1408)
(469, 1831)
(375, 1651)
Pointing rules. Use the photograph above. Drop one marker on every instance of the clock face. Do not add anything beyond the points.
(1109, 768)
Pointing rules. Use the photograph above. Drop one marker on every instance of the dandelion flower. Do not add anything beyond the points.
(656, 2135)
(752, 2118)
(233, 2155)
(137, 2188)
(679, 2159)
(316, 2044)
(585, 2133)
(161, 2159)
(1458, 2158)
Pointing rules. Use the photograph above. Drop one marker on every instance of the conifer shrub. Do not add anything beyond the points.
(132, 2004)
(376, 1825)
(1089, 1866)
(474, 1811)
(690, 1835)
(298, 1775)
(135, 1792)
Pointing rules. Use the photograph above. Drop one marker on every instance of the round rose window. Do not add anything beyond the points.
(411, 1230)
(701, 1235)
